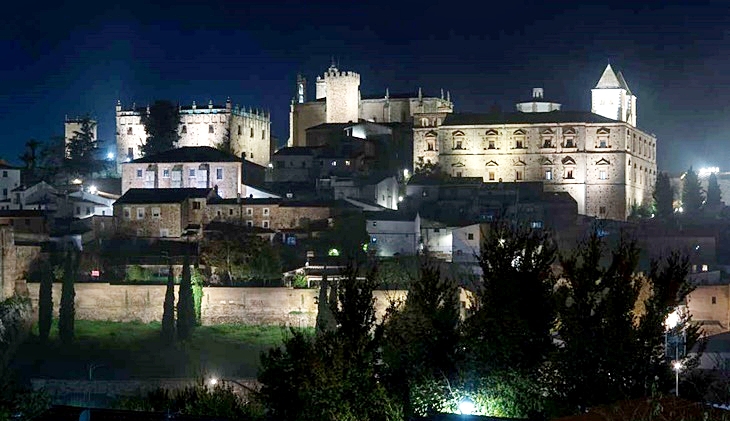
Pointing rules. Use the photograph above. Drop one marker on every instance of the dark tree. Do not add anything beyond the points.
(611, 348)
(692, 195)
(240, 255)
(714, 198)
(45, 300)
(161, 125)
(663, 196)
(82, 148)
(508, 337)
(185, 305)
(67, 312)
(325, 318)
(421, 341)
(225, 144)
(168, 311)
(50, 160)
(30, 156)
(335, 373)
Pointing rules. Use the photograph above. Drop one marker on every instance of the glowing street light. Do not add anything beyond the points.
(677, 366)
(93, 189)
(110, 156)
(213, 381)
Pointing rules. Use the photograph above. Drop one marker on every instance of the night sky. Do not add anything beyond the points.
(69, 59)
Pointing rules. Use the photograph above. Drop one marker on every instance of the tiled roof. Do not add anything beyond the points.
(297, 150)
(139, 196)
(245, 201)
(189, 154)
(22, 213)
(473, 119)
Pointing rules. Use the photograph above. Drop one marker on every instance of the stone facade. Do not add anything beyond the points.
(255, 306)
(273, 214)
(339, 101)
(607, 165)
(224, 175)
(249, 130)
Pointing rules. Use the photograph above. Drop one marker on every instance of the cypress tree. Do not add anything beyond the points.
(185, 306)
(692, 197)
(714, 196)
(45, 301)
(325, 318)
(67, 312)
(663, 196)
(168, 312)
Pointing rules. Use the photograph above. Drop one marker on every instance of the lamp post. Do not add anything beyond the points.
(677, 366)
(672, 323)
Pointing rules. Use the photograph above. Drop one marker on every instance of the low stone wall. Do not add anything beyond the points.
(255, 306)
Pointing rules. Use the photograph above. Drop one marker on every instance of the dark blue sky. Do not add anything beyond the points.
(72, 58)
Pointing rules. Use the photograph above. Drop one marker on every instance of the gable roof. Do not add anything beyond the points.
(189, 154)
(623, 83)
(151, 196)
(608, 79)
(471, 119)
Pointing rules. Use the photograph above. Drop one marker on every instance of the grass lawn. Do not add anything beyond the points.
(135, 350)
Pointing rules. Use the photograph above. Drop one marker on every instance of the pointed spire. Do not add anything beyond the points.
(420, 94)
(623, 83)
(387, 93)
(448, 96)
(608, 80)
(442, 93)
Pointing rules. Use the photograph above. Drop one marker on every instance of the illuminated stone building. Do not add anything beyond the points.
(249, 130)
(338, 100)
(601, 158)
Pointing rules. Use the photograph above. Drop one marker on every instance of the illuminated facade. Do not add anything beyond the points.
(249, 130)
(338, 100)
(607, 165)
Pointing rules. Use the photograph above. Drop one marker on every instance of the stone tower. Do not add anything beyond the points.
(301, 96)
(613, 99)
(341, 91)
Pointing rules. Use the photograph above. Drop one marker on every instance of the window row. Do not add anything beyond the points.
(140, 213)
(191, 173)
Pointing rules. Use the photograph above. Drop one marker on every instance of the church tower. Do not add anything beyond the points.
(612, 97)
(341, 91)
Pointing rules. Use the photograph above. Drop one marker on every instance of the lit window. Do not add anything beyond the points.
(602, 175)
(164, 232)
(704, 268)
(334, 163)
(347, 163)
(548, 174)
(536, 224)
(491, 176)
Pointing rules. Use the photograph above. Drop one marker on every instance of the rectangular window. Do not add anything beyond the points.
(519, 144)
(249, 224)
(191, 172)
(458, 174)
(127, 213)
(602, 143)
(251, 132)
(166, 173)
(78, 210)
(266, 211)
(140, 213)
(714, 300)
(196, 205)
(219, 173)
(429, 146)
(536, 224)
(156, 213)
(230, 212)
(518, 175)
(265, 224)
(602, 210)
(130, 153)
(569, 174)
(548, 174)
(602, 175)
(239, 129)
(210, 128)
(263, 134)
(5, 174)
(88, 210)
(491, 176)
(491, 144)
(470, 236)
(249, 211)
(164, 232)
(139, 173)
(5, 192)
(569, 143)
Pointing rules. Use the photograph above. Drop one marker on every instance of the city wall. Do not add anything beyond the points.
(254, 306)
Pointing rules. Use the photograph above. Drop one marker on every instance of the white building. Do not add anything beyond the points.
(393, 233)
(436, 239)
(9, 180)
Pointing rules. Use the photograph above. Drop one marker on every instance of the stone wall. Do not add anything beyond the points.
(256, 306)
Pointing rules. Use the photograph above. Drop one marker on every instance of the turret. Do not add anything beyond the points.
(612, 97)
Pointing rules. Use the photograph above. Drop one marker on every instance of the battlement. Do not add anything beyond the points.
(334, 73)
(134, 110)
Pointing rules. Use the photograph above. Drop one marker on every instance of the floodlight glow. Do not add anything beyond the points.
(93, 189)
(400, 198)
(406, 173)
(76, 181)
(213, 381)
(466, 407)
(672, 320)
(677, 366)
(110, 156)
(706, 171)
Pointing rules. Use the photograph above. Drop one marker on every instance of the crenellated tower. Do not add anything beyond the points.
(341, 91)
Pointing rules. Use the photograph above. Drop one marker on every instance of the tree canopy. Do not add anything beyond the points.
(663, 196)
(714, 197)
(692, 195)
(161, 125)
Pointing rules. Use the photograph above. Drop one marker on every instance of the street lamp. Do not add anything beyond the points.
(466, 407)
(214, 381)
(677, 366)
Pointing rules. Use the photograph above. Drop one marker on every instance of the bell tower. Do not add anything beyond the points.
(612, 98)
